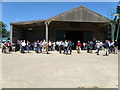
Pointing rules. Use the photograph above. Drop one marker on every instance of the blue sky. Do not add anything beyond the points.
(25, 11)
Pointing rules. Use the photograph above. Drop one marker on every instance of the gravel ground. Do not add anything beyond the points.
(31, 70)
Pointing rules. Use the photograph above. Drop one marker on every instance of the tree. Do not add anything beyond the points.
(3, 30)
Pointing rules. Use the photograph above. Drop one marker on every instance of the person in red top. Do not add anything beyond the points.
(78, 47)
(6, 45)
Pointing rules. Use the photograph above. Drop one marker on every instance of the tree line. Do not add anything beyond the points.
(3, 31)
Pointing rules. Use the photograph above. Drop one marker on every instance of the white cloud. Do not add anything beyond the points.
(17, 19)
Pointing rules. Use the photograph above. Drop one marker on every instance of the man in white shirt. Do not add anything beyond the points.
(50, 46)
(101, 44)
(98, 47)
(60, 46)
(66, 45)
(44, 46)
(112, 46)
(84, 46)
(23, 44)
(54, 44)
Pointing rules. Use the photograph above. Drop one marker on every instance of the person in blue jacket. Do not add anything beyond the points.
(106, 48)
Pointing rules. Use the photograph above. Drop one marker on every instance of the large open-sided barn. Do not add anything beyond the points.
(77, 24)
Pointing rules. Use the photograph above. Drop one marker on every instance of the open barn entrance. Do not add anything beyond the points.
(74, 36)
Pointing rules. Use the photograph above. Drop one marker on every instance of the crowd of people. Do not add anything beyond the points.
(63, 47)
(45, 47)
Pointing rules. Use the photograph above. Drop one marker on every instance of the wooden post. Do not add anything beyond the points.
(46, 31)
(118, 29)
(11, 33)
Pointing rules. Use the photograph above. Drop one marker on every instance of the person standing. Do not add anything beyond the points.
(50, 46)
(20, 44)
(65, 46)
(35, 46)
(32, 46)
(6, 47)
(23, 44)
(101, 44)
(78, 47)
(91, 46)
(13, 47)
(3, 47)
(40, 45)
(84, 46)
(69, 47)
(57, 42)
(112, 46)
(9, 47)
(47, 51)
(106, 48)
(60, 46)
(98, 45)
(28, 46)
(53, 46)
(88, 47)
(44, 49)
(109, 47)
(116, 47)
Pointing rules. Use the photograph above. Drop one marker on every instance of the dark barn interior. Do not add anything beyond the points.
(74, 35)
(83, 31)
(30, 32)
